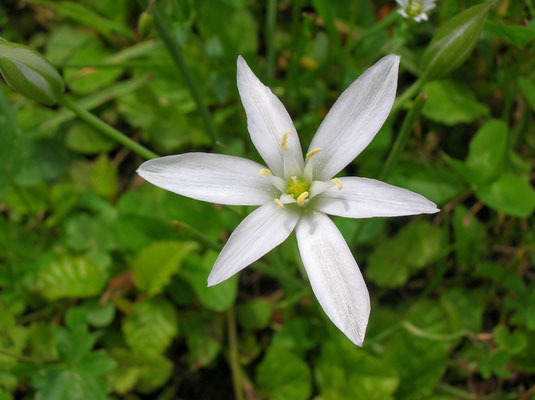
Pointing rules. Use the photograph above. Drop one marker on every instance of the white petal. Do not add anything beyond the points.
(268, 121)
(355, 118)
(216, 178)
(365, 198)
(262, 230)
(334, 275)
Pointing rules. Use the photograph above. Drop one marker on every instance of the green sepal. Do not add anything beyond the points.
(454, 41)
(28, 73)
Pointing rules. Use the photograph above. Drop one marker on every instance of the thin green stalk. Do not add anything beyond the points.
(390, 19)
(234, 355)
(408, 94)
(403, 136)
(271, 16)
(106, 129)
(173, 47)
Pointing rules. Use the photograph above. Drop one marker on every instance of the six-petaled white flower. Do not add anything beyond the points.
(416, 9)
(297, 192)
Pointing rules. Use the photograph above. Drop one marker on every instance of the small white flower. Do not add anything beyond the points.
(416, 9)
(296, 192)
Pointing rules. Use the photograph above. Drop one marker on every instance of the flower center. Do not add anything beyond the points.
(298, 189)
(414, 8)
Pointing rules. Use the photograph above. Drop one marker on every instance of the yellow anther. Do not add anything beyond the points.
(264, 171)
(302, 198)
(278, 203)
(285, 138)
(313, 152)
(338, 183)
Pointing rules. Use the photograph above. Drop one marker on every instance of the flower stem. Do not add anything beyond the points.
(408, 94)
(403, 136)
(106, 129)
(271, 16)
(234, 355)
(174, 50)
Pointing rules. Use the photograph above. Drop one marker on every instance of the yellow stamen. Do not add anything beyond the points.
(285, 138)
(313, 152)
(338, 183)
(278, 203)
(302, 198)
(264, 171)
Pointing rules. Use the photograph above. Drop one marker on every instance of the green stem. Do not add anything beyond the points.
(173, 47)
(106, 129)
(271, 16)
(234, 356)
(408, 94)
(403, 136)
(437, 337)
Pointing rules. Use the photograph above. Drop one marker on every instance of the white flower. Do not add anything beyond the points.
(416, 9)
(297, 193)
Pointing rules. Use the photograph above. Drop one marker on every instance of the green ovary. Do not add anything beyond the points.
(296, 187)
(414, 9)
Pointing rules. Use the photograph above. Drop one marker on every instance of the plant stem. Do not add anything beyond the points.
(106, 129)
(174, 50)
(408, 94)
(271, 16)
(403, 136)
(234, 356)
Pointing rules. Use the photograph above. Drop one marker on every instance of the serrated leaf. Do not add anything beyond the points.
(283, 376)
(512, 342)
(151, 327)
(510, 194)
(203, 338)
(155, 265)
(70, 277)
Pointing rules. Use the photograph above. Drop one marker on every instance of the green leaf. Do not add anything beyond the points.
(155, 265)
(13, 145)
(414, 247)
(510, 194)
(27, 72)
(203, 336)
(517, 35)
(346, 372)
(297, 335)
(527, 86)
(255, 314)
(70, 276)
(85, 139)
(470, 243)
(216, 298)
(69, 385)
(104, 178)
(451, 103)
(513, 342)
(100, 316)
(453, 42)
(151, 327)
(85, 16)
(282, 375)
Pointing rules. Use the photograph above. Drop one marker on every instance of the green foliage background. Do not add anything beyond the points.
(103, 277)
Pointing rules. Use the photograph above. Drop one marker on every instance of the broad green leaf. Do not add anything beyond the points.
(69, 384)
(450, 103)
(527, 86)
(517, 35)
(100, 316)
(297, 335)
(495, 363)
(346, 372)
(85, 139)
(70, 276)
(204, 335)
(282, 375)
(512, 342)
(13, 145)
(145, 373)
(104, 178)
(27, 72)
(453, 42)
(216, 298)
(254, 314)
(510, 194)
(414, 247)
(151, 327)
(154, 266)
